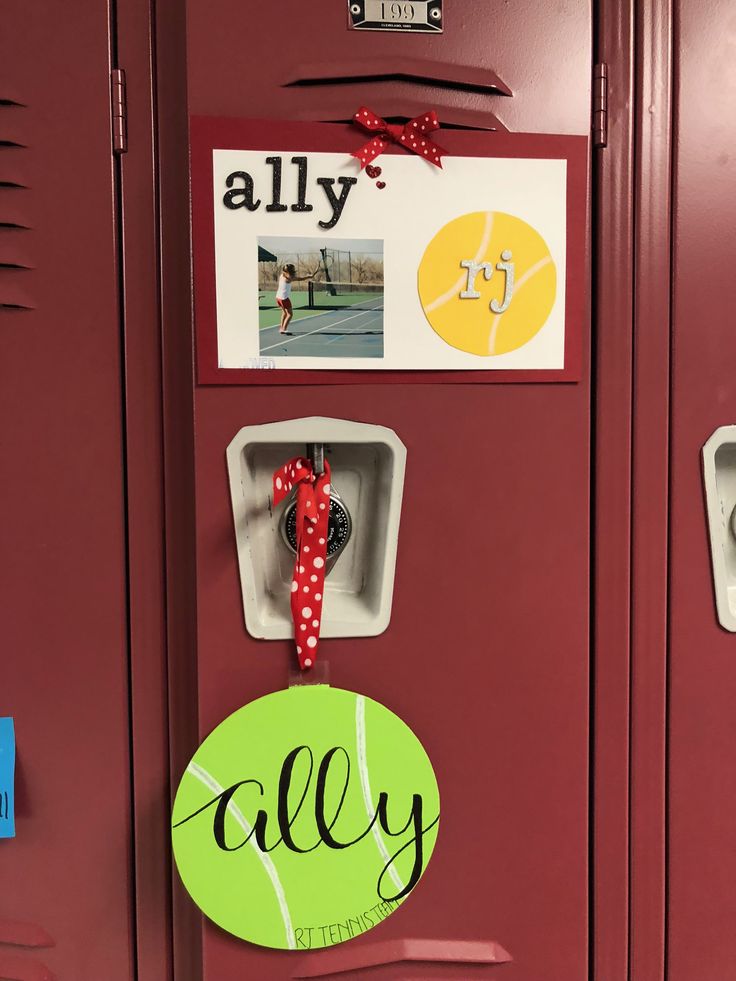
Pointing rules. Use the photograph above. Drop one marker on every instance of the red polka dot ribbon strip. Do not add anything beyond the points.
(312, 521)
(413, 136)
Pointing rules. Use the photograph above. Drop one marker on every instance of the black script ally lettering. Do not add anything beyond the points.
(241, 190)
(334, 766)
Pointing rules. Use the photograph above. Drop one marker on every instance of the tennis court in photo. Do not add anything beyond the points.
(333, 317)
(337, 320)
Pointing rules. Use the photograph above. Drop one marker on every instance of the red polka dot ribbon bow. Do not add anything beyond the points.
(414, 136)
(312, 520)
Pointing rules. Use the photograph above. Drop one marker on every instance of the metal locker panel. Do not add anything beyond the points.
(510, 678)
(702, 656)
(66, 877)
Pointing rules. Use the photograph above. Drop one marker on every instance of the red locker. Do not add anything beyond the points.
(585, 681)
(66, 888)
(529, 646)
(701, 669)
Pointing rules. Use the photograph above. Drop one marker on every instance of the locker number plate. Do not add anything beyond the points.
(396, 15)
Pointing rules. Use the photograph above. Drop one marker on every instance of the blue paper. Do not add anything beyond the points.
(7, 779)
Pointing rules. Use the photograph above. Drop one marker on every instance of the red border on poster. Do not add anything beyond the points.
(211, 133)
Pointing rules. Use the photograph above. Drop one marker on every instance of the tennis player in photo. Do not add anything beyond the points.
(283, 294)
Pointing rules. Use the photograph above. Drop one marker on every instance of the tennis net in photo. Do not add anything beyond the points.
(345, 296)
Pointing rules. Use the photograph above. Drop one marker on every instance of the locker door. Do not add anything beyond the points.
(505, 688)
(702, 655)
(66, 877)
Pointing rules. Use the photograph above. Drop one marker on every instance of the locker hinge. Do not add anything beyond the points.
(600, 105)
(119, 111)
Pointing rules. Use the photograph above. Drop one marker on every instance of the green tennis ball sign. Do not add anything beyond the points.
(306, 818)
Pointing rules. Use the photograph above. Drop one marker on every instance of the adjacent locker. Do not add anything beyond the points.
(702, 655)
(66, 878)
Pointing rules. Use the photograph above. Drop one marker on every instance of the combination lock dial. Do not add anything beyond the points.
(339, 528)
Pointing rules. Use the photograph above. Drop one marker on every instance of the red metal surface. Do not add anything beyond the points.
(650, 489)
(702, 745)
(612, 502)
(64, 643)
(207, 134)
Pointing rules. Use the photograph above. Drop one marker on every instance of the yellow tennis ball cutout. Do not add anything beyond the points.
(487, 282)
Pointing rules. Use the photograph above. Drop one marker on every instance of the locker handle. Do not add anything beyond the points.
(20, 966)
(350, 958)
(24, 934)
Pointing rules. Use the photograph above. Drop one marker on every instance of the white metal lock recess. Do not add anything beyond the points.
(719, 473)
(367, 464)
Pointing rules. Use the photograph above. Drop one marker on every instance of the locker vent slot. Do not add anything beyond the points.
(400, 120)
(465, 96)
(395, 77)
(15, 259)
(385, 69)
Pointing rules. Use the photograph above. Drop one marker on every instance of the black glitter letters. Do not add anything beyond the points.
(241, 191)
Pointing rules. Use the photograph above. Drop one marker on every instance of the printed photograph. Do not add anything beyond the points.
(320, 298)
